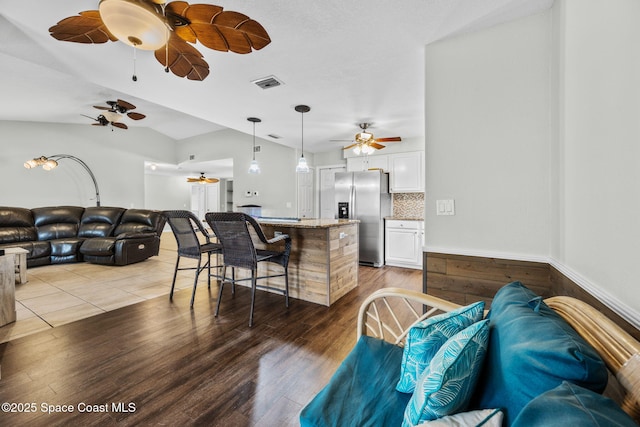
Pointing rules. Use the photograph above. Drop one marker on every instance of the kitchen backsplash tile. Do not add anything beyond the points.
(408, 205)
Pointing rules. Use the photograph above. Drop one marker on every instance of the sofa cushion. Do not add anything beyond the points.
(532, 350)
(16, 225)
(99, 221)
(352, 397)
(58, 222)
(98, 246)
(136, 221)
(39, 252)
(479, 417)
(65, 250)
(571, 405)
(425, 338)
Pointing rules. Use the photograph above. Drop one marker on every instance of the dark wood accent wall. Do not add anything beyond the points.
(470, 278)
(479, 278)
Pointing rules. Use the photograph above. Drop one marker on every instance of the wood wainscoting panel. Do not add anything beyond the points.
(465, 279)
(479, 278)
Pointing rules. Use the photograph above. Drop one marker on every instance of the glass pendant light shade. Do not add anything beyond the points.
(135, 22)
(302, 166)
(254, 168)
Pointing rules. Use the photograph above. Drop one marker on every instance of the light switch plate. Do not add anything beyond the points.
(445, 207)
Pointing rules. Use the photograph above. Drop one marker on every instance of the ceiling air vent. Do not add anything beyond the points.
(267, 82)
(274, 136)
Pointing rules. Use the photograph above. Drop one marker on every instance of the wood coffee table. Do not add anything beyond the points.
(7, 288)
(20, 263)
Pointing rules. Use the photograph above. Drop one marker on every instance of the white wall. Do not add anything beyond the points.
(599, 226)
(276, 184)
(487, 140)
(163, 192)
(532, 127)
(116, 159)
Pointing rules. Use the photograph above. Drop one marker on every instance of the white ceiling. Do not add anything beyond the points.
(350, 60)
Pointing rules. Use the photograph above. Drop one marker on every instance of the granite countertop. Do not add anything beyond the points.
(404, 218)
(306, 222)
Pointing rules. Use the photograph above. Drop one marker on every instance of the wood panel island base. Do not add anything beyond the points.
(324, 258)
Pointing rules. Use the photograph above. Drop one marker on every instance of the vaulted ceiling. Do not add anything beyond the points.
(350, 61)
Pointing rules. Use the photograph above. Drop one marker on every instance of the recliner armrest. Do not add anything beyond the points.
(124, 236)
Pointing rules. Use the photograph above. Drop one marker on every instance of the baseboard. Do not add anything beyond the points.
(613, 303)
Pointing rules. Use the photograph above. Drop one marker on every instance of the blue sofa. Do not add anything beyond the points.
(527, 362)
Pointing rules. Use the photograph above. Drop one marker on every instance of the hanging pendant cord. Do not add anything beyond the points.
(134, 77)
(302, 134)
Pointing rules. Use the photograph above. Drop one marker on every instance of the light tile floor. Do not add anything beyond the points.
(58, 294)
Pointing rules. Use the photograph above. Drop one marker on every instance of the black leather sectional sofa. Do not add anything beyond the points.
(100, 235)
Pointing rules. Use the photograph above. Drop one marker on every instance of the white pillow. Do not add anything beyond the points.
(481, 417)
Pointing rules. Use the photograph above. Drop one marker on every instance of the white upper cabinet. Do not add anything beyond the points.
(363, 163)
(406, 172)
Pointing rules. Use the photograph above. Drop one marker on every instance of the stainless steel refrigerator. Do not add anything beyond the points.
(365, 196)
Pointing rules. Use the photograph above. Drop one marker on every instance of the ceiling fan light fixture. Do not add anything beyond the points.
(364, 148)
(364, 137)
(112, 116)
(135, 22)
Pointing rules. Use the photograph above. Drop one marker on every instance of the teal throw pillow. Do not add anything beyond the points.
(571, 405)
(446, 385)
(532, 350)
(425, 338)
(477, 418)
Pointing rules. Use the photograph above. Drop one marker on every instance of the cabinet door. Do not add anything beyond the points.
(356, 164)
(401, 247)
(379, 162)
(407, 172)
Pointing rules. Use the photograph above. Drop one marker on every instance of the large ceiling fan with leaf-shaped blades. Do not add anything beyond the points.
(169, 29)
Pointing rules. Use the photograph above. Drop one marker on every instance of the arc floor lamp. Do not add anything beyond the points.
(51, 162)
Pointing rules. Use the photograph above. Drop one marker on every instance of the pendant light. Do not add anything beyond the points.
(302, 166)
(254, 168)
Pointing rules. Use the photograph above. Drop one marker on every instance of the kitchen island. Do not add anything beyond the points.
(324, 258)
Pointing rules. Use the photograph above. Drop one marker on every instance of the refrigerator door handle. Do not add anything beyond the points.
(352, 200)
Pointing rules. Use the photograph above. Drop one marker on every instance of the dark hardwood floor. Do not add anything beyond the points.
(160, 363)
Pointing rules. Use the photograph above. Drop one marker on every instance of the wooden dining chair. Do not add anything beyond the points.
(239, 251)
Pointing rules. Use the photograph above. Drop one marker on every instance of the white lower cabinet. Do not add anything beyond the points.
(404, 240)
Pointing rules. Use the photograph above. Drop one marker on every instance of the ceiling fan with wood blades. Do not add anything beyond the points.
(203, 179)
(169, 29)
(365, 143)
(114, 112)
